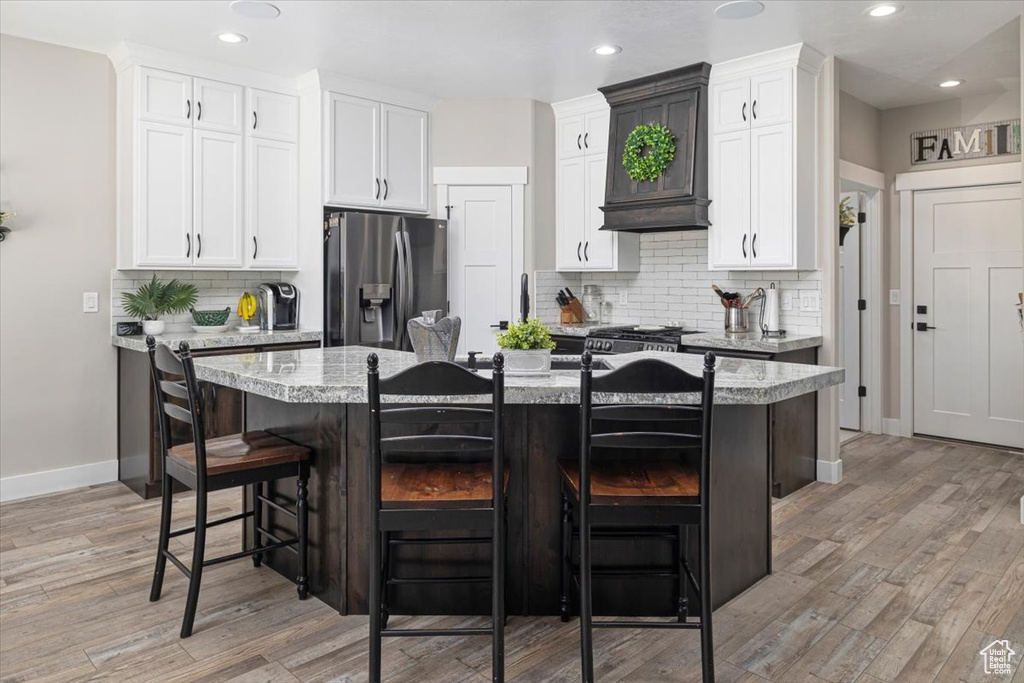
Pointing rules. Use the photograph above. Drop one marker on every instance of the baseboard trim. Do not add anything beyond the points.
(830, 472)
(52, 481)
(891, 426)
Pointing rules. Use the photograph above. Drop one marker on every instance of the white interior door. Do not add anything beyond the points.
(969, 364)
(849, 333)
(480, 262)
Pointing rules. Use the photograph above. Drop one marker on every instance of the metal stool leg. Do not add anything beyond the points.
(302, 524)
(198, 555)
(166, 502)
(257, 522)
(566, 555)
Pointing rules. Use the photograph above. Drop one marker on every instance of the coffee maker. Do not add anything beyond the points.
(279, 306)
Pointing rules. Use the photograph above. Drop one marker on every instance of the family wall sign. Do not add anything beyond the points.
(965, 142)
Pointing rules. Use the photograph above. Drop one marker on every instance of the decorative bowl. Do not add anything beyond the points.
(210, 318)
(209, 329)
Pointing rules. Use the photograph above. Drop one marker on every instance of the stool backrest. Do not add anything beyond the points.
(182, 386)
(647, 376)
(437, 380)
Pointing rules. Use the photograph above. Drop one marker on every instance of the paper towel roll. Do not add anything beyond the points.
(771, 310)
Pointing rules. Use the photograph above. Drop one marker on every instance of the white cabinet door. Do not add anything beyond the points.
(570, 136)
(595, 132)
(165, 97)
(404, 158)
(730, 105)
(272, 216)
(218, 106)
(272, 115)
(771, 98)
(598, 245)
(217, 200)
(729, 239)
(163, 219)
(353, 146)
(771, 197)
(570, 223)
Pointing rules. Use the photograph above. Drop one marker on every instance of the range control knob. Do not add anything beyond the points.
(607, 346)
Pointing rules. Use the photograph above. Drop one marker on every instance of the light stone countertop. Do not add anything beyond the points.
(338, 375)
(211, 340)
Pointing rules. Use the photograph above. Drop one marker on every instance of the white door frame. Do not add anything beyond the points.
(872, 184)
(515, 177)
(907, 184)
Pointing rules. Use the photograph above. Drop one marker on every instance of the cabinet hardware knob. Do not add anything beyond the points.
(744, 111)
(188, 245)
(255, 247)
(376, 182)
(199, 242)
(585, 136)
(578, 137)
(753, 109)
(753, 245)
(744, 246)
(578, 245)
(585, 248)
(385, 189)
(188, 109)
(199, 110)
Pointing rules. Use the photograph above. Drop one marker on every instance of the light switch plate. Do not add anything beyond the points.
(787, 301)
(894, 297)
(810, 301)
(623, 298)
(90, 302)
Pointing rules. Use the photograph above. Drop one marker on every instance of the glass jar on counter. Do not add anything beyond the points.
(593, 303)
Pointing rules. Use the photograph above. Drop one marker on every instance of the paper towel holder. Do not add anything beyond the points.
(765, 332)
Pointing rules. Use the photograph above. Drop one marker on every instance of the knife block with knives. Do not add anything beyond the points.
(572, 310)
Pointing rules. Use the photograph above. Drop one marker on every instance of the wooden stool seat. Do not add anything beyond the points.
(238, 452)
(635, 482)
(438, 485)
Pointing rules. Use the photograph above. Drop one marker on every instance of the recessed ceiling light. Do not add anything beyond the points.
(233, 38)
(605, 50)
(255, 9)
(739, 9)
(885, 10)
(951, 83)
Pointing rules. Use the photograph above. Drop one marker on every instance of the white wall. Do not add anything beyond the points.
(58, 377)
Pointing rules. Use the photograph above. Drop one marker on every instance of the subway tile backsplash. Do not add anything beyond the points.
(217, 290)
(674, 285)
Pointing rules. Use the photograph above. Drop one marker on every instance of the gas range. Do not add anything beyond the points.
(629, 338)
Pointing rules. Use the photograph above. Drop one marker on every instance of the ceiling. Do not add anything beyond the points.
(541, 49)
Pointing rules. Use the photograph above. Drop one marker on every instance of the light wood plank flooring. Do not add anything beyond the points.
(902, 572)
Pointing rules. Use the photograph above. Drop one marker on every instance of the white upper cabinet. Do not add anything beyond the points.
(271, 115)
(217, 223)
(404, 159)
(191, 194)
(163, 208)
(217, 106)
(272, 213)
(581, 127)
(761, 168)
(353, 146)
(376, 155)
(164, 97)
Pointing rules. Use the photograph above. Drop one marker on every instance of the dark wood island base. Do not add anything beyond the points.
(537, 435)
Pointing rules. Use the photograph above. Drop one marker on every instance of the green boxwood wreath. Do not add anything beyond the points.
(650, 165)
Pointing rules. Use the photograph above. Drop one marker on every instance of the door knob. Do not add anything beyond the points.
(924, 327)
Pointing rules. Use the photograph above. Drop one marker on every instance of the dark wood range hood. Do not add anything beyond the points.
(678, 200)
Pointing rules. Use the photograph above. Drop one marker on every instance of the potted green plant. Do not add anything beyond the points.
(156, 298)
(527, 347)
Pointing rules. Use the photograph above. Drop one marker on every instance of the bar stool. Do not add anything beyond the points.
(436, 482)
(206, 465)
(629, 492)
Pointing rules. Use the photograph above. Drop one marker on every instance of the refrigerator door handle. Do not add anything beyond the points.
(399, 293)
(410, 287)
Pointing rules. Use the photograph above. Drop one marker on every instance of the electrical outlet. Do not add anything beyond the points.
(786, 301)
(810, 301)
(623, 298)
(90, 302)
(894, 297)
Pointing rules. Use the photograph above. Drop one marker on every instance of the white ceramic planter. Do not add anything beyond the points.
(533, 362)
(153, 327)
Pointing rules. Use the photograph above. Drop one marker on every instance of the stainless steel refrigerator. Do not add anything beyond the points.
(380, 270)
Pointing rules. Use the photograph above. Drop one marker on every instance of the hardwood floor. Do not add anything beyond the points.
(902, 572)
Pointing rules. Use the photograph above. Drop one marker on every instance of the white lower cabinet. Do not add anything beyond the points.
(217, 223)
(162, 221)
(272, 214)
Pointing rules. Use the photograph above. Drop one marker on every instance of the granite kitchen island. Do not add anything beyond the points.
(317, 398)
